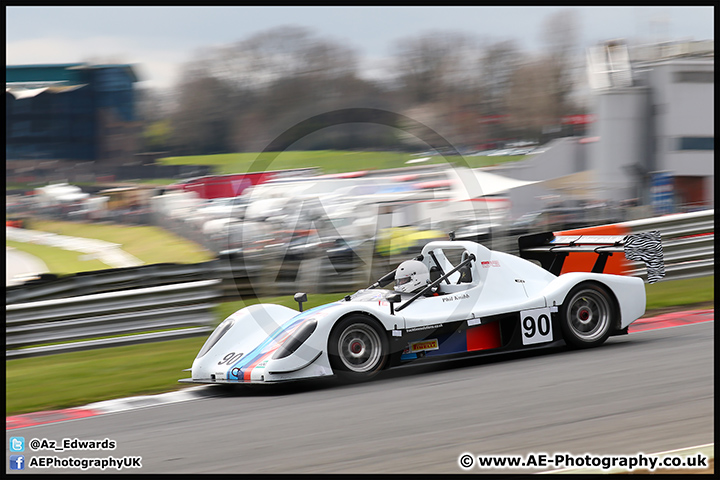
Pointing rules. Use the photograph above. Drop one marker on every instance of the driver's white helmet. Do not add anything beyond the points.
(410, 276)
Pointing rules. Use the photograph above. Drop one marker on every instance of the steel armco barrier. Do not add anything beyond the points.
(235, 276)
(130, 316)
(688, 241)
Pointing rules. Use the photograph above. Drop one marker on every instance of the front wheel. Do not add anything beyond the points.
(357, 348)
(587, 316)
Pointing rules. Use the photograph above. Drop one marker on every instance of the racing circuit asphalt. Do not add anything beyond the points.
(645, 392)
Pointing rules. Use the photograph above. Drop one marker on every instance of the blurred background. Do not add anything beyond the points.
(294, 136)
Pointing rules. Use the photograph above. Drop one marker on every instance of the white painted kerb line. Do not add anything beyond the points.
(108, 253)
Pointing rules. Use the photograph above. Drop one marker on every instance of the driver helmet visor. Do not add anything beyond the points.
(402, 281)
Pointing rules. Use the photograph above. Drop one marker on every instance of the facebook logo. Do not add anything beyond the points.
(17, 444)
(17, 462)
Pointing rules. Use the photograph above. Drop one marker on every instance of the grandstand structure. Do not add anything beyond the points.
(61, 115)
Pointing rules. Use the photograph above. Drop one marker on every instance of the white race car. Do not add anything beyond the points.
(456, 298)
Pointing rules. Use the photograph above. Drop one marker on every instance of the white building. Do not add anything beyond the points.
(654, 111)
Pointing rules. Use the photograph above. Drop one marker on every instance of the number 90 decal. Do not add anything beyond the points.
(536, 326)
(230, 358)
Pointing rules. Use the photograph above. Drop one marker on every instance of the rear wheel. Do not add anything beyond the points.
(358, 348)
(587, 316)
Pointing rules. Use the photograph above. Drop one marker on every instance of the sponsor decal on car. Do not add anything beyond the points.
(452, 298)
(426, 327)
(423, 346)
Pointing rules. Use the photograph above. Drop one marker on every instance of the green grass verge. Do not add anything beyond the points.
(329, 161)
(224, 310)
(78, 378)
(680, 292)
(57, 260)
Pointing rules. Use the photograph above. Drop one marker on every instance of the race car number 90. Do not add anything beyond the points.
(536, 326)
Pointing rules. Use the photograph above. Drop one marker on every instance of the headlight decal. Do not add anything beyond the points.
(221, 330)
(295, 339)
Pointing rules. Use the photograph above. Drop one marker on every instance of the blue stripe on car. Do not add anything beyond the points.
(251, 357)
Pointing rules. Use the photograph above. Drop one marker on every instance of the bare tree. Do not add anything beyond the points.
(153, 109)
(281, 53)
(498, 63)
(541, 86)
(241, 96)
(201, 123)
(530, 104)
(435, 66)
(560, 35)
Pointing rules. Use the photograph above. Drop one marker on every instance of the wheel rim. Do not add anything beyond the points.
(589, 315)
(360, 348)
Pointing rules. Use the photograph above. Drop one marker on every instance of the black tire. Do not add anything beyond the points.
(358, 348)
(587, 316)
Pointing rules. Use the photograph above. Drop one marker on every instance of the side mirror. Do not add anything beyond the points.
(300, 298)
(393, 298)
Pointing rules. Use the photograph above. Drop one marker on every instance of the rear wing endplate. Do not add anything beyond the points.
(551, 250)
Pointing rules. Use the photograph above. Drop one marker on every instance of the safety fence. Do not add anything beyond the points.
(688, 242)
(110, 319)
(234, 275)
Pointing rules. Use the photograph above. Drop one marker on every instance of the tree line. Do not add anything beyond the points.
(473, 91)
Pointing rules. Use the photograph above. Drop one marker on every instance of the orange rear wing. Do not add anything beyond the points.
(554, 252)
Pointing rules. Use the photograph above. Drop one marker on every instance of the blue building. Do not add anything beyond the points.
(70, 113)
